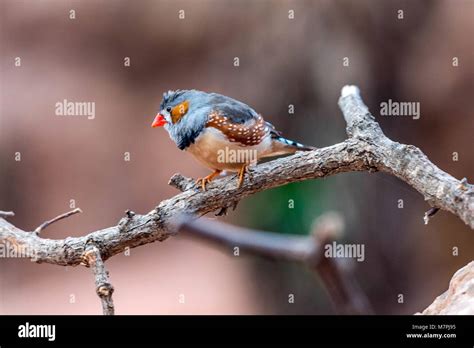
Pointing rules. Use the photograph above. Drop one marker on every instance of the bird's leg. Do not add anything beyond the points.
(242, 172)
(207, 179)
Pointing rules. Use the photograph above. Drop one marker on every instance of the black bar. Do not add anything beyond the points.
(291, 331)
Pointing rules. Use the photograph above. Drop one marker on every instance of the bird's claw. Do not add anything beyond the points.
(202, 182)
(207, 179)
(241, 175)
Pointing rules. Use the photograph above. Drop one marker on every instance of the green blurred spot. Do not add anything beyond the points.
(270, 210)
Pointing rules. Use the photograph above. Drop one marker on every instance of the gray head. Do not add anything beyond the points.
(183, 113)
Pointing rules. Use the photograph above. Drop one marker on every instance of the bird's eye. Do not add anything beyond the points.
(168, 109)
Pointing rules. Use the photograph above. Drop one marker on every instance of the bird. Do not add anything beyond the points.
(222, 133)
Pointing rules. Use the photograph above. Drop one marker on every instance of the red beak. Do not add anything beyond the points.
(159, 121)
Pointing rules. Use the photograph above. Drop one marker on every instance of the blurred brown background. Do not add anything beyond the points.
(282, 62)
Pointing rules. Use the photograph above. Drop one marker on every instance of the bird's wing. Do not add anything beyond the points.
(235, 110)
(238, 122)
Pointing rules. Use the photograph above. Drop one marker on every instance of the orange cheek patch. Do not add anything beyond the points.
(179, 111)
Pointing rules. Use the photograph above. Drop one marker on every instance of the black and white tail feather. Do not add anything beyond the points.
(282, 145)
(292, 144)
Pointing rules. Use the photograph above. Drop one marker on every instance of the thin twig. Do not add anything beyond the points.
(4, 214)
(104, 289)
(429, 214)
(57, 218)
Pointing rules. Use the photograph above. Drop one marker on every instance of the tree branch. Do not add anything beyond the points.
(103, 288)
(343, 290)
(366, 149)
(406, 162)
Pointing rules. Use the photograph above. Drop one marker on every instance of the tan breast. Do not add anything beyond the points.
(213, 149)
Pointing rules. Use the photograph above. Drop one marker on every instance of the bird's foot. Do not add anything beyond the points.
(241, 175)
(207, 179)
